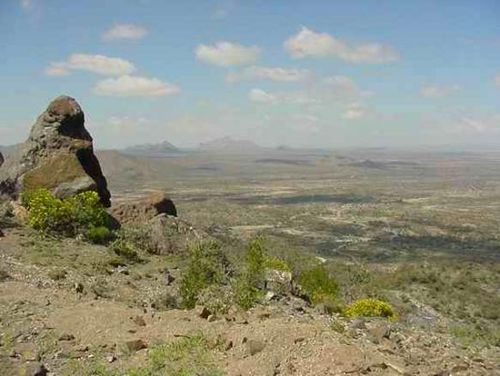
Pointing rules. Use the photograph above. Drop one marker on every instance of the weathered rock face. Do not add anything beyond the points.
(1, 159)
(58, 155)
(142, 210)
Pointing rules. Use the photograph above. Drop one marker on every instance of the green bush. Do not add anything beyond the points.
(277, 264)
(69, 217)
(244, 294)
(99, 235)
(125, 250)
(207, 265)
(247, 286)
(255, 263)
(319, 285)
(370, 308)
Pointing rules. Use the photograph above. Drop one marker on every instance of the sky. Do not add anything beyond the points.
(277, 72)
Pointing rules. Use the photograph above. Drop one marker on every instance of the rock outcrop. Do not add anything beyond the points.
(143, 210)
(58, 155)
(1, 160)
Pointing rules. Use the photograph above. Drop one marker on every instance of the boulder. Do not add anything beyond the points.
(1, 159)
(58, 155)
(143, 210)
(278, 281)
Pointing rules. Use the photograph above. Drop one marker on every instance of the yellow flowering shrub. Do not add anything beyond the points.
(370, 308)
(77, 214)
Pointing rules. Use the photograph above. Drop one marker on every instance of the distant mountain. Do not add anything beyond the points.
(162, 148)
(7, 150)
(228, 144)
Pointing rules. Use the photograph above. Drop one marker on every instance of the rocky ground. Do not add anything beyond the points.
(65, 324)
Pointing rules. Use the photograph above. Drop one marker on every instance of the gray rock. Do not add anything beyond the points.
(58, 155)
(278, 281)
(40, 370)
(1, 159)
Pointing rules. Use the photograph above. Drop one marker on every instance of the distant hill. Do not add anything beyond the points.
(162, 148)
(228, 144)
(7, 150)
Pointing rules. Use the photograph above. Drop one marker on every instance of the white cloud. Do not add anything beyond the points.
(308, 43)
(354, 112)
(57, 69)
(100, 64)
(469, 125)
(330, 90)
(225, 54)
(128, 86)
(125, 31)
(497, 80)
(345, 86)
(258, 95)
(439, 91)
(274, 74)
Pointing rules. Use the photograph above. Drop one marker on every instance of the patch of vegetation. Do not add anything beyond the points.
(247, 286)
(186, 356)
(69, 217)
(125, 250)
(470, 334)
(319, 285)
(100, 235)
(370, 308)
(277, 264)
(207, 265)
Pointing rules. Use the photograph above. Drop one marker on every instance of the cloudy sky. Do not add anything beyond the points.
(301, 73)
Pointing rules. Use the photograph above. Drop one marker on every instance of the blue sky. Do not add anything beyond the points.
(302, 73)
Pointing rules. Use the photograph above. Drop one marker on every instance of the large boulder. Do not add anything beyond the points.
(58, 155)
(1, 160)
(140, 211)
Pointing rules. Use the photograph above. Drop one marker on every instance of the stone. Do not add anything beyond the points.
(168, 277)
(40, 370)
(139, 320)
(136, 345)
(254, 346)
(1, 159)
(139, 211)
(204, 313)
(211, 318)
(66, 337)
(58, 155)
(278, 281)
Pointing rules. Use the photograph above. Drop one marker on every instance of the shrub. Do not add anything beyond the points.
(370, 308)
(99, 235)
(69, 217)
(206, 266)
(318, 285)
(244, 294)
(255, 262)
(125, 250)
(47, 213)
(277, 264)
(247, 287)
